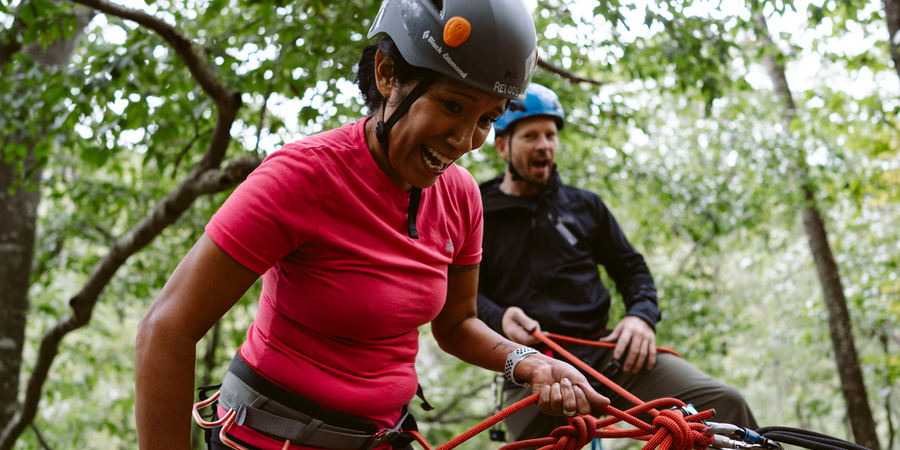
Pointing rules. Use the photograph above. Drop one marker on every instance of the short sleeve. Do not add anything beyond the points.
(273, 212)
(470, 251)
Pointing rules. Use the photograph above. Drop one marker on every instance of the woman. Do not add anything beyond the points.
(362, 234)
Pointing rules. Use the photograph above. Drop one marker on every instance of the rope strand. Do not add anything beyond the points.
(615, 387)
(670, 430)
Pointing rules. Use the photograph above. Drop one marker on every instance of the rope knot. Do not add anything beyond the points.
(672, 423)
(576, 435)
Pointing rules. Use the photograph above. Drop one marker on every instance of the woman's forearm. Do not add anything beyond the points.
(164, 384)
(474, 342)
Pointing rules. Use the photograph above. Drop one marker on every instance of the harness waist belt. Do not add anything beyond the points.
(274, 411)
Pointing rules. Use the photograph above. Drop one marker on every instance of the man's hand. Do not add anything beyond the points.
(635, 336)
(518, 327)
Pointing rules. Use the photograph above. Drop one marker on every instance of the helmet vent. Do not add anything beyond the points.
(438, 5)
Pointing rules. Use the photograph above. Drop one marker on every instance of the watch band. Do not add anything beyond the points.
(513, 360)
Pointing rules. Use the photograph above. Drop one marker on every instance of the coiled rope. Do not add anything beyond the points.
(670, 430)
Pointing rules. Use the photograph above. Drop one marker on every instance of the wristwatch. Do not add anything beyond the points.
(513, 360)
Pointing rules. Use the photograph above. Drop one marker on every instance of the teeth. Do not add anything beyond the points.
(445, 162)
(439, 156)
(430, 165)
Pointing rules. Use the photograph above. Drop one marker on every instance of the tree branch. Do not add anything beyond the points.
(40, 437)
(205, 178)
(228, 102)
(182, 46)
(566, 74)
(166, 212)
(237, 170)
(187, 147)
(262, 114)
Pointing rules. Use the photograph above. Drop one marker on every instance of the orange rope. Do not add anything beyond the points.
(516, 407)
(559, 337)
(670, 430)
(557, 348)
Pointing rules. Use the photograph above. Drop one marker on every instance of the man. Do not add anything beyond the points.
(542, 243)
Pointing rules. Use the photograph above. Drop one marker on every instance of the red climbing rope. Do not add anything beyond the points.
(559, 337)
(619, 390)
(670, 429)
(472, 432)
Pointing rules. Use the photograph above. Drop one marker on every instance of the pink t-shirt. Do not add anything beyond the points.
(344, 286)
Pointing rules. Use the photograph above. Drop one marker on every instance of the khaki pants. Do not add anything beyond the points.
(670, 377)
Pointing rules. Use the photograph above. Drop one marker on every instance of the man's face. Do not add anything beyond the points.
(533, 147)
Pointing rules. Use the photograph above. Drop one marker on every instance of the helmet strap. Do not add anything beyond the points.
(512, 168)
(383, 129)
(509, 162)
(382, 133)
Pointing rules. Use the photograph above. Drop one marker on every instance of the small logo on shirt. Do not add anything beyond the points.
(449, 247)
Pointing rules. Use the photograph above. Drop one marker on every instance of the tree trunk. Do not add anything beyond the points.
(852, 385)
(892, 15)
(18, 210)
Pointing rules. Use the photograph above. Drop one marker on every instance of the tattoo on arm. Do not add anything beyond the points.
(456, 270)
(503, 345)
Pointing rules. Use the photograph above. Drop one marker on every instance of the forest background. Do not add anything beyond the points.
(749, 149)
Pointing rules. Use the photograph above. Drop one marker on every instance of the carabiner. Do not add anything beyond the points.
(723, 442)
(229, 422)
(195, 411)
(688, 410)
(744, 437)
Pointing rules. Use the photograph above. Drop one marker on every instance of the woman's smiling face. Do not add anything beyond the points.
(447, 121)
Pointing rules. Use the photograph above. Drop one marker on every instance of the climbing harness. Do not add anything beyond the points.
(256, 406)
(675, 425)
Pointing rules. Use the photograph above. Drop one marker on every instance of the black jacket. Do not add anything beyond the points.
(542, 256)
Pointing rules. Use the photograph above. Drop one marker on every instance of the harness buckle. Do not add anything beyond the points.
(380, 437)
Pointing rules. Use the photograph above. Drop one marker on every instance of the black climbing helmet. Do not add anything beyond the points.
(488, 44)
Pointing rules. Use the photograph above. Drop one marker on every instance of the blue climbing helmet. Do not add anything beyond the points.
(539, 101)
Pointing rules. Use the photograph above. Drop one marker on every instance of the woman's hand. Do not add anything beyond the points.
(564, 390)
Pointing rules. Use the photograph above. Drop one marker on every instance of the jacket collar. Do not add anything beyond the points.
(495, 200)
